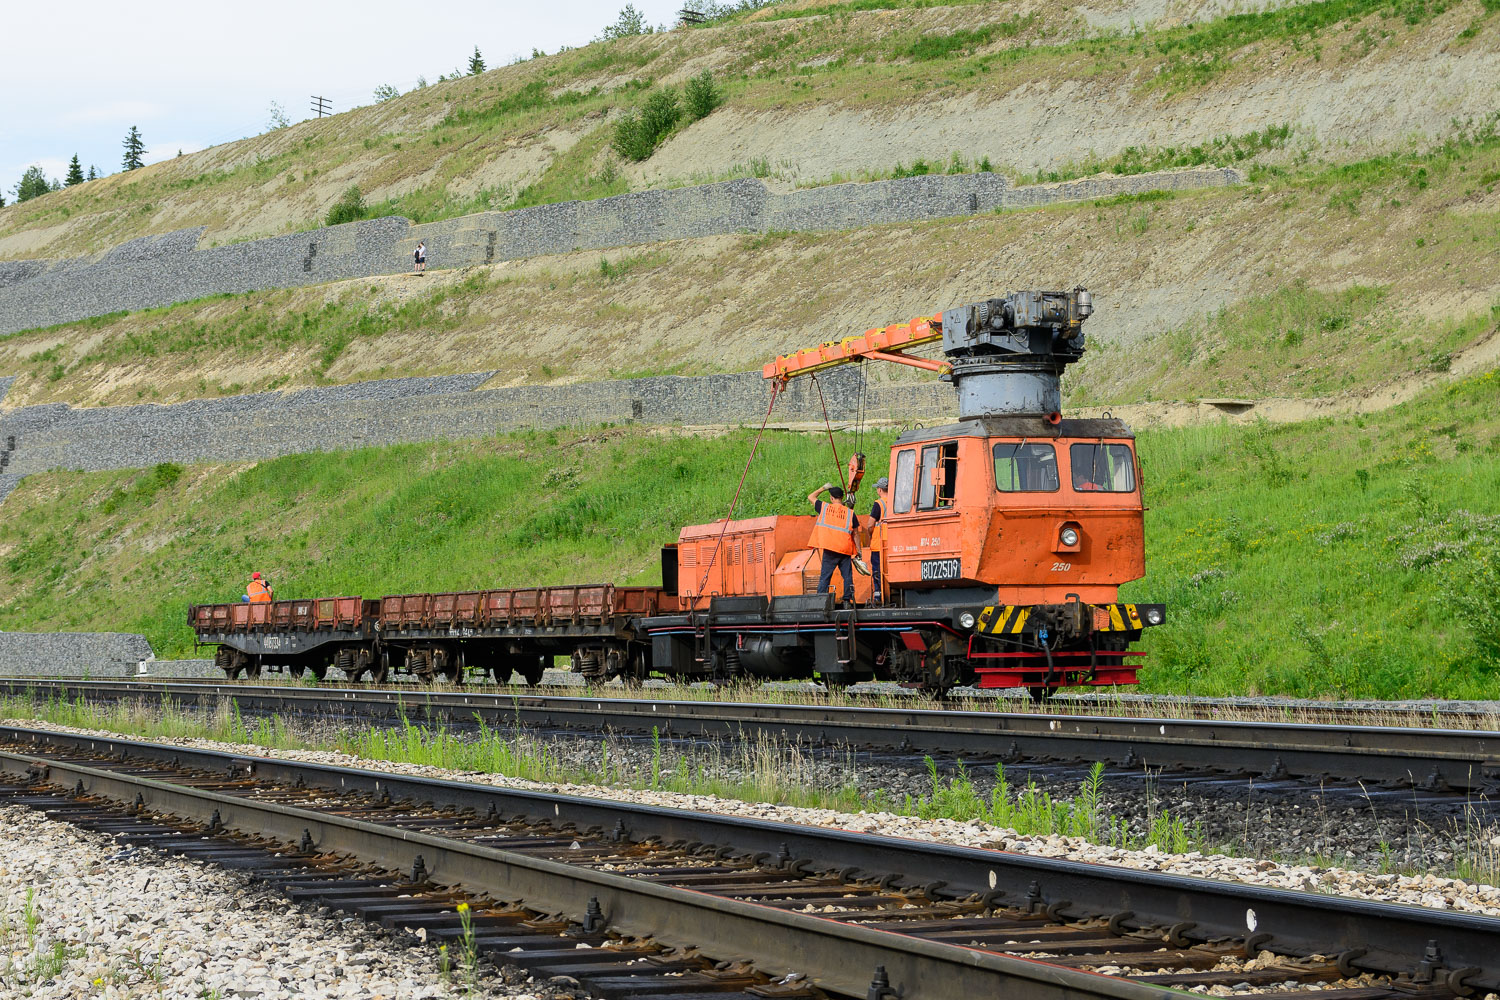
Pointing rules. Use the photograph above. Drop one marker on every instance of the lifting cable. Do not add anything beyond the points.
(775, 389)
(829, 428)
(859, 427)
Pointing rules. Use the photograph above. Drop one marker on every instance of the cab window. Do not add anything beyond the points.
(906, 477)
(938, 484)
(1106, 468)
(1024, 467)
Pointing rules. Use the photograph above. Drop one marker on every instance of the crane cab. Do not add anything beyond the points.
(1014, 510)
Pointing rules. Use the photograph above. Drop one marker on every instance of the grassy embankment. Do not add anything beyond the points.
(1325, 558)
(1313, 320)
(539, 131)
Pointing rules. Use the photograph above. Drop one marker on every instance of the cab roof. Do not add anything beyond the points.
(1021, 426)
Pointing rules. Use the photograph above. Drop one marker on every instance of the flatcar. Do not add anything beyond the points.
(1008, 535)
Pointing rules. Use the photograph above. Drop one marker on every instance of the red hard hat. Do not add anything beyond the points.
(255, 576)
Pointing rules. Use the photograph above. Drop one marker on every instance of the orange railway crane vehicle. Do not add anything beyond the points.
(1008, 533)
(1007, 537)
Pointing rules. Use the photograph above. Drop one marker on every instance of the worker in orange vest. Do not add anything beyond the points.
(833, 533)
(877, 536)
(257, 590)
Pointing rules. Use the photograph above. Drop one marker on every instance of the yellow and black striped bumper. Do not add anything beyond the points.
(1011, 619)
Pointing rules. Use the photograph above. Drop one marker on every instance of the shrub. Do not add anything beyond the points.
(385, 92)
(702, 96)
(349, 208)
(1473, 592)
(638, 133)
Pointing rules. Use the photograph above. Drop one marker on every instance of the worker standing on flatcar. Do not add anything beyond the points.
(833, 533)
(877, 537)
(257, 589)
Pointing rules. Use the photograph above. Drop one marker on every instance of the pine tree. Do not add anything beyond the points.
(93, 173)
(75, 172)
(32, 184)
(134, 147)
(476, 63)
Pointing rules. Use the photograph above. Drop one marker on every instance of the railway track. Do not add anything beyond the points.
(1432, 761)
(643, 901)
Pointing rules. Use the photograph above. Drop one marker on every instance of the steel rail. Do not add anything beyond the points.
(1371, 936)
(1463, 761)
(837, 956)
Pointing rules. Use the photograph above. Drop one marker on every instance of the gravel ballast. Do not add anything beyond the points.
(1415, 889)
(118, 922)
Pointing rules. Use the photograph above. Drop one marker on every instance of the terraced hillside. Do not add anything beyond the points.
(818, 92)
(1313, 282)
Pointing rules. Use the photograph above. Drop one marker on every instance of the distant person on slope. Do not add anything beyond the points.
(257, 590)
(420, 254)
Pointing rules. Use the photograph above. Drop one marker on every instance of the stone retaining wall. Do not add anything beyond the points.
(265, 425)
(72, 654)
(160, 270)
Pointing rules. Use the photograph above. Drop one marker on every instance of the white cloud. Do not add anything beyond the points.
(114, 112)
(55, 169)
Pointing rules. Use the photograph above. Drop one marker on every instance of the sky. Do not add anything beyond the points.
(192, 75)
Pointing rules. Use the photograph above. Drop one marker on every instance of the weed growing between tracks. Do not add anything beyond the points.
(751, 770)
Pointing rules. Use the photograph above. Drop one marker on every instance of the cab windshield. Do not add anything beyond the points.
(1025, 467)
(1104, 468)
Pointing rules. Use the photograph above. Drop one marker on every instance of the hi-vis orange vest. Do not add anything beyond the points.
(258, 592)
(834, 529)
(877, 535)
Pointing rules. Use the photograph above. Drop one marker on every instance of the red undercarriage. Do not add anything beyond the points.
(1066, 669)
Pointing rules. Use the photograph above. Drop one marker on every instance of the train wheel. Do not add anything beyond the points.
(501, 671)
(533, 674)
(938, 677)
(633, 673)
(380, 669)
(252, 668)
(1041, 693)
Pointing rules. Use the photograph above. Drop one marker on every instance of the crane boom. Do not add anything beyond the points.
(1005, 354)
(876, 345)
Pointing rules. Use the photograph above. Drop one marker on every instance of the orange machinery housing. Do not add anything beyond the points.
(754, 556)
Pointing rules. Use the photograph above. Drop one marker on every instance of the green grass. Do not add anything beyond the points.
(1321, 558)
(1306, 559)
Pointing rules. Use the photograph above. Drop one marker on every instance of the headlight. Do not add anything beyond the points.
(966, 620)
(1154, 616)
(1069, 536)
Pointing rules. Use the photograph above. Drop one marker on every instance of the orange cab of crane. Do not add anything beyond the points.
(1018, 510)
